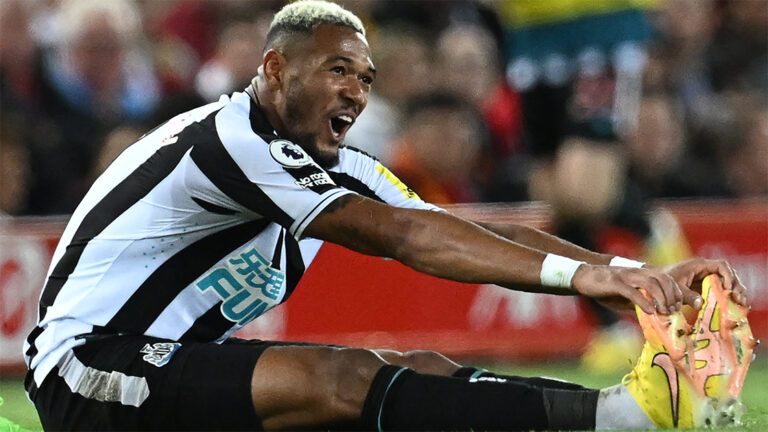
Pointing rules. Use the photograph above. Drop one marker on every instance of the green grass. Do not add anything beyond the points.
(18, 409)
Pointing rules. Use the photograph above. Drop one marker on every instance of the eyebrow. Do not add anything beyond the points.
(371, 69)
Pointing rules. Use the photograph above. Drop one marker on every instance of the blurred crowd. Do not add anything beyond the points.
(595, 106)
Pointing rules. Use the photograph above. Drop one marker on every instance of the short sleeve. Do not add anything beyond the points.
(365, 175)
(276, 179)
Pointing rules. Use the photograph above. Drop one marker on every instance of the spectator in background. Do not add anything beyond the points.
(404, 70)
(114, 143)
(42, 120)
(99, 67)
(578, 67)
(191, 24)
(20, 77)
(237, 56)
(93, 78)
(14, 168)
(746, 158)
(739, 49)
(175, 59)
(230, 69)
(585, 184)
(438, 149)
(707, 54)
(468, 63)
(659, 164)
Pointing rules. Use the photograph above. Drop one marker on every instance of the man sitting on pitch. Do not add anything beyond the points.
(211, 219)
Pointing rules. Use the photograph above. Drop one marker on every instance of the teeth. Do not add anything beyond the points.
(340, 124)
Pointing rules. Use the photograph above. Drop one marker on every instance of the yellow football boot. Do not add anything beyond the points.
(691, 375)
(612, 349)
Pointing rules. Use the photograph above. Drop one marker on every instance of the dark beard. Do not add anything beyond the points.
(307, 142)
(294, 116)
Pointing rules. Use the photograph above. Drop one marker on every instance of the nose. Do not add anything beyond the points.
(355, 92)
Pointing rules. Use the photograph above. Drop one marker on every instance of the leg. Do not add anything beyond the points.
(421, 361)
(434, 363)
(299, 387)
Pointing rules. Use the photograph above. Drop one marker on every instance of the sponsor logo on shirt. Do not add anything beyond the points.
(408, 192)
(160, 353)
(313, 180)
(288, 154)
(247, 285)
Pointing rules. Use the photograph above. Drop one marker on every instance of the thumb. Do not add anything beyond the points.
(691, 298)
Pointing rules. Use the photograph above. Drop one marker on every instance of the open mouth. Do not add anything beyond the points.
(340, 125)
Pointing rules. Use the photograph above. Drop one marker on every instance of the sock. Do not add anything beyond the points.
(470, 372)
(401, 399)
(571, 409)
(473, 372)
(374, 401)
(617, 399)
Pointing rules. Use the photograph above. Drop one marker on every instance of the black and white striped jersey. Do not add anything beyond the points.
(194, 231)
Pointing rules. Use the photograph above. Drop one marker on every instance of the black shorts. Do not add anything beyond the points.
(142, 383)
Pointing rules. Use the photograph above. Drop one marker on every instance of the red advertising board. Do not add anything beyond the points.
(351, 299)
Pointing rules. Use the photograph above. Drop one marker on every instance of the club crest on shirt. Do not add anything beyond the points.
(288, 154)
(160, 353)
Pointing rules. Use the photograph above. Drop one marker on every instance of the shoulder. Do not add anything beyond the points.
(236, 127)
(353, 160)
(354, 152)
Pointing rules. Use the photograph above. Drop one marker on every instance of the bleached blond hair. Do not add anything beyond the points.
(305, 16)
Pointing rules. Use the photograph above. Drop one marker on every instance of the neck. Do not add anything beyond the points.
(265, 100)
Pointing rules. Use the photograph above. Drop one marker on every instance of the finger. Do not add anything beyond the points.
(636, 296)
(672, 291)
(692, 298)
(652, 287)
(739, 292)
(727, 273)
(660, 295)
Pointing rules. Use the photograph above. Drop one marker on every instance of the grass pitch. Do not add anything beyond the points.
(19, 410)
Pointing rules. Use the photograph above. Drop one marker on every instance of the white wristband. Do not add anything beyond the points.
(557, 271)
(618, 261)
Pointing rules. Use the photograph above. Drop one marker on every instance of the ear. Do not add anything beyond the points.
(274, 65)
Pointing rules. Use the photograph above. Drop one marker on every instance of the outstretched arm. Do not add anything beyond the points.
(545, 242)
(688, 274)
(446, 246)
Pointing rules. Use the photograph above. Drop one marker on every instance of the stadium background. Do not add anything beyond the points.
(638, 127)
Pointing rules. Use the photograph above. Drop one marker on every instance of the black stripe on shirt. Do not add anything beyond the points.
(213, 159)
(33, 335)
(312, 177)
(277, 254)
(122, 197)
(348, 182)
(357, 150)
(175, 274)
(208, 327)
(294, 265)
(213, 208)
(259, 123)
